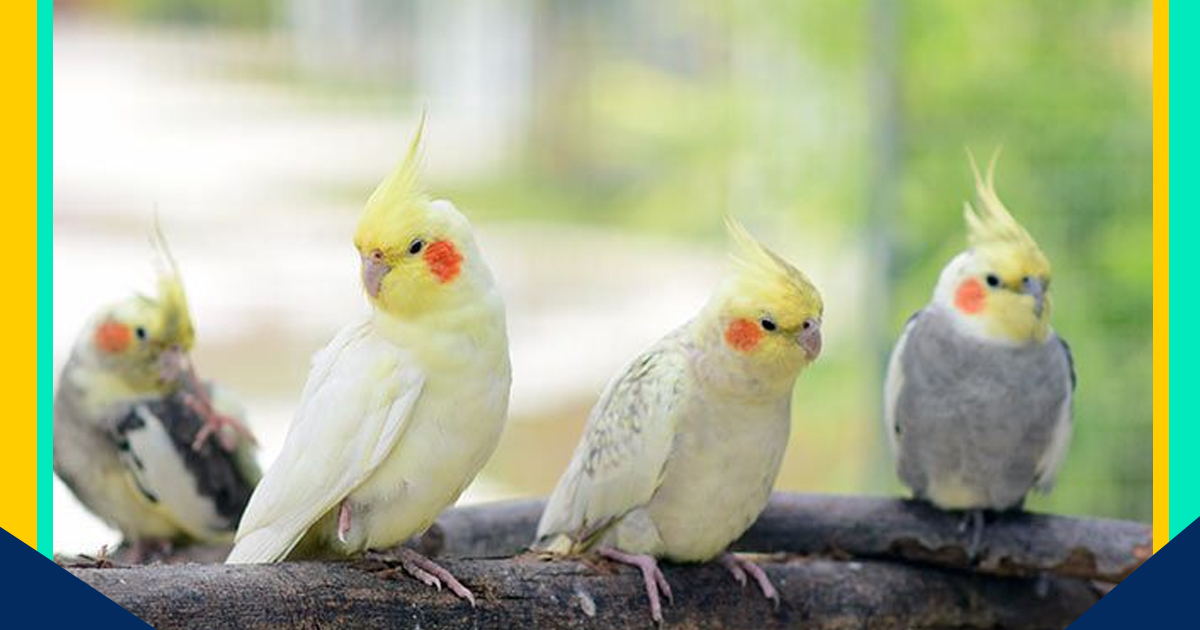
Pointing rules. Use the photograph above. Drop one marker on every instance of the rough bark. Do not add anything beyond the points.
(1014, 544)
(530, 592)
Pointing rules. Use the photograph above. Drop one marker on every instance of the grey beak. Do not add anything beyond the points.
(373, 271)
(172, 363)
(809, 338)
(1036, 288)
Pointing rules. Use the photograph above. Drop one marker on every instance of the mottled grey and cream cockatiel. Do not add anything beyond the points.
(680, 453)
(977, 402)
(146, 447)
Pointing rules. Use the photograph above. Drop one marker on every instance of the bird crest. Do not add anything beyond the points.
(400, 189)
(176, 321)
(765, 271)
(992, 229)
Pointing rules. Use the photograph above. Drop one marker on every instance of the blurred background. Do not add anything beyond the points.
(596, 146)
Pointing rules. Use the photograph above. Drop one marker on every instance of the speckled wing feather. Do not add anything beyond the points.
(618, 463)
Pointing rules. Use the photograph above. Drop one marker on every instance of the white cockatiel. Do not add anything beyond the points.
(681, 452)
(977, 402)
(143, 444)
(403, 407)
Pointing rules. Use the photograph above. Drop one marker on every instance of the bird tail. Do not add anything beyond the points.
(261, 546)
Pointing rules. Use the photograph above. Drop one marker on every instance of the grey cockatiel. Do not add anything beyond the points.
(682, 449)
(977, 402)
(142, 444)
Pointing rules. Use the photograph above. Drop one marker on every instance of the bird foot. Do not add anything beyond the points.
(425, 571)
(215, 424)
(343, 527)
(652, 576)
(740, 567)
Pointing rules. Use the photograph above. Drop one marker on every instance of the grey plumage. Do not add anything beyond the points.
(977, 424)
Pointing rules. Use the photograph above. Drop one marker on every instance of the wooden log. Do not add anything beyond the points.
(530, 592)
(835, 526)
(1014, 544)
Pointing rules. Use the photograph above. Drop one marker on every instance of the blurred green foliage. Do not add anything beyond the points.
(225, 13)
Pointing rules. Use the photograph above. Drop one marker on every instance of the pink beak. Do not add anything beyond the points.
(810, 338)
(373, 270)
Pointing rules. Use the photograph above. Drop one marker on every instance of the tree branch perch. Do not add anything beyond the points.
(530, 592)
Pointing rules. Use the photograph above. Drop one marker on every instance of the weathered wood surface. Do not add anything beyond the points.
(530, 592)
(861, 527)
(837, 527)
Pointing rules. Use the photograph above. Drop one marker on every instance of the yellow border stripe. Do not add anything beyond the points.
(1161, 273)
(18, 246)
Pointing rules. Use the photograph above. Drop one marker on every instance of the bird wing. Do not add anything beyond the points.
(353, 411)
(202, 491)
(619, 462)
(895, 383)
(1060, 438)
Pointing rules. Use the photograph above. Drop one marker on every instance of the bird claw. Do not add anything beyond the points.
(214, 424)
(652, 577)
(428, 572)
(740, 567)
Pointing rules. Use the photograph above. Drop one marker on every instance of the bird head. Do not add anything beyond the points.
(768, 312)
(999, 287)
(143, 340)
(418, 255)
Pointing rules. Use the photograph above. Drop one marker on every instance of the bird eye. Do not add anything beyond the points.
(416, 246)
(140, 332)
(767, 324)
(807, 324)
(993, 280)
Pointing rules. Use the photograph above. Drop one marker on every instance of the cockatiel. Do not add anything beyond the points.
(977, 401)
(680, 453)
(139, 440)
(403, 407)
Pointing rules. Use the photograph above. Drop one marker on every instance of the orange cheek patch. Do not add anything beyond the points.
(112, 337)
(444, 260)
(970, 296)
(743, 335)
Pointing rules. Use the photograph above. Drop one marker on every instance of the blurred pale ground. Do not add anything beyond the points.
(596, 146)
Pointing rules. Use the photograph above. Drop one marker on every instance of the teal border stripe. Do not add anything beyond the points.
(45, 276)
(1185, 433)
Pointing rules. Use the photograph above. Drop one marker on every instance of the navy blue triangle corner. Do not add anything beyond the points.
(1157, 595)
(42, 594)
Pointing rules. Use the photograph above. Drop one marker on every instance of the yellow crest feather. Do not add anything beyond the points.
(176, 320)
(768, 270)
(991, 222)
(994, 232)
(401, 186)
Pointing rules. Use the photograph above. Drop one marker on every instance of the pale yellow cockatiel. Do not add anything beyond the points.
(142, 443)
(681, 452)
(403, 407)
(977, 402)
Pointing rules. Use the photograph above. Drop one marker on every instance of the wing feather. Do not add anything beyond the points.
(1060, 439)
(360, 392)
(618, 464)
(893, 385)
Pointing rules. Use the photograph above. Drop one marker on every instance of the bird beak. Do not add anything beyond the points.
(1036, 288)
(810, 338)
(172, 364)
(374, 268)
